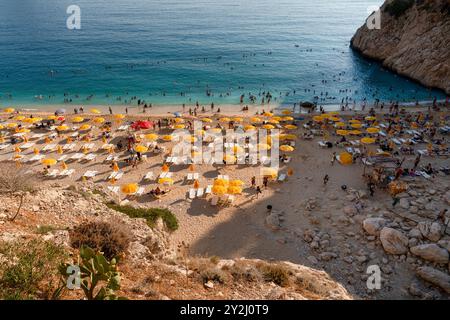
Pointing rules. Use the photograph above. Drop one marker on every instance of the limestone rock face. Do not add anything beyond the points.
(415, 44)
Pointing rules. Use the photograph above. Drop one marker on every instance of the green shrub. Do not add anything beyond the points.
(110, 239)
(397, 8)
(150, 214)
(28, 269)
(213, 274)
(243, 272)
(275, 273)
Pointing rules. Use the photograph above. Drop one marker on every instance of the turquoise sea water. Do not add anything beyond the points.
(158, 49)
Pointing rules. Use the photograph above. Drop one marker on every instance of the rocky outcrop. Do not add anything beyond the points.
(393, 241)
(414, 44)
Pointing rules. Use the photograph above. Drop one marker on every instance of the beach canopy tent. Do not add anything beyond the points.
(138, 125)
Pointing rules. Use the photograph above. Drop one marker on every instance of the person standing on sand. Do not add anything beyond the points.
(265, 182)
(126, 110)
(333, 158)
(258, 191)
(326, 179)
(417, 161)
(110, 110)
(253, 181)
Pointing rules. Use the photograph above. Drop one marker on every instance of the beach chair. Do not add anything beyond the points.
(77, 156)
(90, 157)
(63, 157)
(396, 141)
(4, 146)
(189, 177)
(140, 192)
(425, 175)
(27, 145)
(66, 173)
(214, 200)
(264, 160)
(37, 136)
(163, 175)
(200, 192)
(192, 193)
(113, 189)
(282, 177)
(322, 144)
(53, 173)
(90, 174)
(208, 189)
(36, 157)
(149, 176)
(49, 147)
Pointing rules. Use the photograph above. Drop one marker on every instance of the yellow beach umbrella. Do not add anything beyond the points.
(52, 117)
(85, 127)
(286, 112)
(268, 127)
(236, 183)
(269, 172)
(190, 139)
(274, 121)
(373, 130)
(141, 149)
(318, 118)
(234, 190)
(368, 140)
(208, 120)
(238, 119)
(340, 125)
(36, 151)
(215, 130)
(228, 158)
(96, 111)
(64, 165)
(290, 127)
(77, 119)
(255, 120)
(119, 116)
(23, 130)
(179, 120)
(62, 128)
(221, 182)
(129, 188)
(354, 121)
(287, 119)
(151, 136)
(19, 118)
(370, 118)
(342, 132)
(263, 146)
(99, 120)
(167, 138)
(49, 161)
(288, 137)
(286, 148)
(249, 127)
(355, 132)
(345, 158)
(335, 119)
(11, 125)
(9, 110)
(224, 120)
(165, 181)
(356, 125)
(179, 126)
(268, 114)
(219, 190)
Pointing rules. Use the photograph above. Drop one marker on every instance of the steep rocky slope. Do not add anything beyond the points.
(413, 41)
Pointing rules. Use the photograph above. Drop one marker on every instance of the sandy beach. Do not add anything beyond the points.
(302, 205)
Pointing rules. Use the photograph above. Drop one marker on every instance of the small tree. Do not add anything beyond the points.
(16, 182)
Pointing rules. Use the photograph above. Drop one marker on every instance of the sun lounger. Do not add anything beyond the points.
(322, 144)
(422, 152)
(282, 177)
(424, 174)
(208, 189)
(214, 200)
(113, 189)
(192, 193)
(66, 173)
(77, 156)
(140, 191)
(199, 192)
(36, 157)
(49, 147)
(264, 160)
(53, 173)
(4, 146)
(149, 176)
(396, 141)
(90, 157)
(37, 136)
(69, 146)
(90, 174)
(63, 157)
(27, 145)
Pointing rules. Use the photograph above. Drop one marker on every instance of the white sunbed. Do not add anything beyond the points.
(425, 175)
(208, 189)
(113, 189)
(53, 173)
(396, 141)
(422, 152)
(214, 200)
(27, 145)
(63, 157)
(192, 193)
(67, 172)
(149, 176)
(77, 156)
(90, 174)
(264, 160)
(4, 146)
(69, 146)
(90, 157)
(140, 192)
(282, 177)
(199, 192)
(37, 136)
(49, 147)
(36, 157)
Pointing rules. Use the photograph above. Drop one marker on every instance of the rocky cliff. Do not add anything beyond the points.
(413, 40)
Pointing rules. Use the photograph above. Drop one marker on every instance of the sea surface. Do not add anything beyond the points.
(169, 52)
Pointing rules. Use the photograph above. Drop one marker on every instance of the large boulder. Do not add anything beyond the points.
(373, 226)
(430, 230)
(431, 252)
(393, 241)
(435, 277)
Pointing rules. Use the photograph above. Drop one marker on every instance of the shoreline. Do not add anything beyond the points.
(226, 109)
